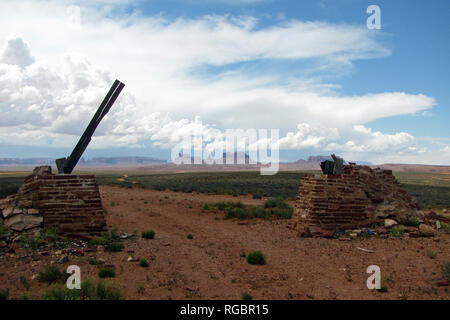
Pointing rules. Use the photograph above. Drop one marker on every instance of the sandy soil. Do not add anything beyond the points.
(209, 266)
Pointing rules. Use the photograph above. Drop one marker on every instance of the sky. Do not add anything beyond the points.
(312, 69)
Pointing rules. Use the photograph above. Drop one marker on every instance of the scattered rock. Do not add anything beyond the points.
(23, 222)
(426, 230)
(408, 228)
(7, 212)
(319, 232)
(390, 223)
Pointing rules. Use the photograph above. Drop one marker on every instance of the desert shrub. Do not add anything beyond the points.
(445, 227)
(397, 232)
(279, 208)
(61, 292)
(247, 296)
(108, 291)
(106, 273)
(90, 290)
(383, 289)
(114, 247)
(150, 234)
(412, 221)
(143, 263)
(50, 234)
(190, 236)
(31, 241)
(94, 261)
(52, 274)
(431, 254)
(227, 204)
(107, 237)
(245, 213)
(3, 295)
(45, 237)
(243, 254)
(257, 196)
(278, 202)
(256, 257)
(285, 213)
(446, 271)
(110, 240)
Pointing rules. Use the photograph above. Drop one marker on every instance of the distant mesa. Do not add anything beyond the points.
(232, 158)
(122, 161)
(83, 162)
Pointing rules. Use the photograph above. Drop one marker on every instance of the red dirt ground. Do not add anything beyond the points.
(209, 266)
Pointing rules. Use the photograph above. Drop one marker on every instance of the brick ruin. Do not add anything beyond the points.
(71, 204)
(359, 197)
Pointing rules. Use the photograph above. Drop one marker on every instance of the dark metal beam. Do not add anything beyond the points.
(66, 165)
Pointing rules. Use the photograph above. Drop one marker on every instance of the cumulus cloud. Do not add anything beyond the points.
(308, 136)
(365, 140)
(16, 52)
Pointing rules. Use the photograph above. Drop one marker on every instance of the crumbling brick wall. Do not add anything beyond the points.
(359, 197)
(69, 203)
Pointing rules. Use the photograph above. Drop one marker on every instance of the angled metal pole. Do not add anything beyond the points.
(66, 165)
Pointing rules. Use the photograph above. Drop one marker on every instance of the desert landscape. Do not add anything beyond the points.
(197, 250)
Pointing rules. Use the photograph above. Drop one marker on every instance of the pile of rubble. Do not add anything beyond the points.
(360, 197)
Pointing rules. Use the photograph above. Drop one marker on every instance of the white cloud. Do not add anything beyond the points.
(16, 52)
(370, 141)
(308, 136)
(49, 94)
